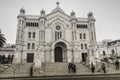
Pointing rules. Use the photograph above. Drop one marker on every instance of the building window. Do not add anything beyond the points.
(103, 53)
(113, 52)
(58, 27)
(90, 24)
(81, 26)
(92, 36)
(32, 24)
(29, 35)
(80, 36)
(33, 45)
(85, 46)
(58, 35)
(22, 21)
(81, 46)
(28, 46)
(84, 36)
(33, 34)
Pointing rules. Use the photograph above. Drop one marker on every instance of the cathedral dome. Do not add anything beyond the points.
(42, 11)
(22, 10)
(90, 14)
(72, 13)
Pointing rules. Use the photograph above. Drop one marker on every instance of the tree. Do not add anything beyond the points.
(2, 39)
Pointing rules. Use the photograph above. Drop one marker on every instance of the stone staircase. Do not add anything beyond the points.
(24, 68)
(18, 69)
(55, 69)
(3, 67)
(9, 70)
(58, 68)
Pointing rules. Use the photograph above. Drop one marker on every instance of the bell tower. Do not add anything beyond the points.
(20, 36)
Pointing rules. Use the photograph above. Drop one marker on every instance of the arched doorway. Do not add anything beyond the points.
(60, 53)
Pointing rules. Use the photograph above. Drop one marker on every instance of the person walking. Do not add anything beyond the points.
(73, 67)
(93, 67)
(117, 64)
(69, 67)
(31, 71)
(103, 67)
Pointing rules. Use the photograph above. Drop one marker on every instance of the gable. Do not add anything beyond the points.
(59, 14)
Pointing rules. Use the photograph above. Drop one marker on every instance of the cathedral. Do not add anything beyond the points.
(55, 37)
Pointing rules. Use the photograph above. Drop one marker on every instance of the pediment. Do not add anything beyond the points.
(58, 13)
(58, 17)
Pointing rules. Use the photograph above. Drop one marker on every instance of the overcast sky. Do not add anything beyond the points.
(106, 12)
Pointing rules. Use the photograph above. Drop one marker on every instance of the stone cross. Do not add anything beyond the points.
(57, 4)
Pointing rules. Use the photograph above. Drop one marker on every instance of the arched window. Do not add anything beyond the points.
(28, 46)
(33, 34)
(31, 24)
(26, 23)
(35, 24)
(20, 21)
(80, 36)
(33, 45)
(90, 24)
(85, 46)
(81, 46)
(84, 36)
(104, 53)
(92, 35)
(58, 35)
(29, 35)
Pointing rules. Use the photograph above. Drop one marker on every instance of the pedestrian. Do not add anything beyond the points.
(117, 64)
(69, 67)
(31, 71)
(108, 63)
(103, 67)
(93, 67)
(73, 66)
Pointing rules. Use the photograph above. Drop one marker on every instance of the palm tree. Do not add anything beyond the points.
(2, 39)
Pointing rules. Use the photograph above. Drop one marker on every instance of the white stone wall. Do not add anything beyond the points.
(45, 36)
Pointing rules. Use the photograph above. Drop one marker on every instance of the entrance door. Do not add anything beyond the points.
(30, 57)
(84, 56)
(58, 54)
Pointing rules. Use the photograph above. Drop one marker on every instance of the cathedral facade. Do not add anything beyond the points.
(55, 37)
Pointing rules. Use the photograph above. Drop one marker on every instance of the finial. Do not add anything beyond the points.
(22, 10)
(57, 3)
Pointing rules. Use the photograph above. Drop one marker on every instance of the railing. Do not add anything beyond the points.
(4, 67)
(17, 66)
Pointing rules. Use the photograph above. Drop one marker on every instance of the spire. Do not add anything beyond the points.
(57, 3)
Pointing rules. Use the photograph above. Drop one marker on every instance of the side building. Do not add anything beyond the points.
(108, 49)
(7, 53)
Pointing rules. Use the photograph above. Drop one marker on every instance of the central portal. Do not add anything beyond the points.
(60, 54)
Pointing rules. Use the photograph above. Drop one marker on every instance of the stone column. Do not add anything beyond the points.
(17, 57)
(38, 63)
(52, 56)
(69, 55)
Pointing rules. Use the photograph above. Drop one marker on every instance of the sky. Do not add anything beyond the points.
(106, 13)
